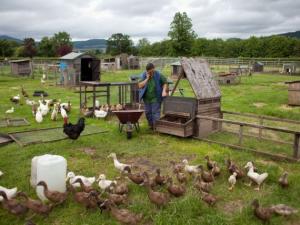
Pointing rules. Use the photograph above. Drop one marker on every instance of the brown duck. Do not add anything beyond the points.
(203, 186)
(36, 205)
(124, 216)
(53, 196)
(158, 198)
(175, 190)
(160, 180)
(136, 178)
(13, 206)
(232, 167)
(177, 167)
(283, 180)
(209, 198)
(118, 199)
(181, 177)
(261, 213)
(209, 163)
(206, 176)
(216, 170)
(121, 188)
(83, 187)
(88, 200)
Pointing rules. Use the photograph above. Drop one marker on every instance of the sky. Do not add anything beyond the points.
(86, 19)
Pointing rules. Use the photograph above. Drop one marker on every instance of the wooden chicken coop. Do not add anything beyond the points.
(176, 70)
(21, 67)
(294, 92)
(180, 114)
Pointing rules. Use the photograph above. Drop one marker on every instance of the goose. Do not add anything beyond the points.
(191, 169)
(39, 116)
(87, 181)
(105, 184)
(9, 111)
(100, 113)
(255, 177)
(10, 193)
(118, 165)
(63, 112)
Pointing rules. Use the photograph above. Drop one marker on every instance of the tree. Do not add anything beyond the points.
(62, 43)
(7, 48)
(46, 47)
(182, 34)
(30, 49)
(119, 43)
(144, 47)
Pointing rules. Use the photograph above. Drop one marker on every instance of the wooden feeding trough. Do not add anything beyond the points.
(294, 93)
(178, 119)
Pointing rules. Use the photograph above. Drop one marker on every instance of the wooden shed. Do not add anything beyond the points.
(133, 62)
(294, 92)
(176, 70)
(258, 67)
(228, 78)
(21, 67)
(76, 67)
(115, 63)
(289, 68)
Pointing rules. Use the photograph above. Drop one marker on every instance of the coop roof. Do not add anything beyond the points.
(19, 60)
(201, 78)
(176, 64)
(72, 56)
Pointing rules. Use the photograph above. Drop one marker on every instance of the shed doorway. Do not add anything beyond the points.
(90, 69)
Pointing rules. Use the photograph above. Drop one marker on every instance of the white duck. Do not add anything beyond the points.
(191, 169)
(44, 108)
(97, 104)
(87, 181)
(105, 184)
(9, 111)
(1, 173)
(63, 112)
(118, 165)
(232, 181)
(9, 192)
(16, 98)
(54, 112)
(255, 177)
(39, 116)
(30, 102)
(100, 113)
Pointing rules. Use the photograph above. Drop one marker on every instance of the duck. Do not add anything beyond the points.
(89, 200)
(209, 198)
(181, 177)
(83, 187)
(118, 199)
(105, 184)
(1, 173)
(30, 102)
(124, 216)
(53, 196)
(24, 93)
(283, 181)
(191, 169)
(35, 205)
(232, 167)
(175, 190)
(261, 213)
(203, 186)
(215, 170)
(156, 197)
(118, 165)
(10, 193)
(232, 181)
(87, 181)
(100, 113)
(63, 112)
(34, 109)
(255, 177)
(67, 106)
(283, 210)
(12, 205)
(43, 81)
(10, 111)
(206, 176)
(54, 113)
(44, 108)
(160, 180)
(119, 107)
(97, 104)
(209, 163)
(177, 167)
(136, 178)
(39, 116)
(15, 99)
(121, 188)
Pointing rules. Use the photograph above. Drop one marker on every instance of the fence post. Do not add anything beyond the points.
(297, 146)
(261, 122)
(241, 134)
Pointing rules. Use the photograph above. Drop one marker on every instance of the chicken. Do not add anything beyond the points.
(255, 177)
(73, 131)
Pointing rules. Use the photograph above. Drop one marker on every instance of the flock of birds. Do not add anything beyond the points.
(115, 192)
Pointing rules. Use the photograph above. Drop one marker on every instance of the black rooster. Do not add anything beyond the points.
(73, 131)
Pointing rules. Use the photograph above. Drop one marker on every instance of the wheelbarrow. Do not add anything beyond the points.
(129, 119)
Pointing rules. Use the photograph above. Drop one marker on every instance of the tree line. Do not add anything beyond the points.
(182, 41)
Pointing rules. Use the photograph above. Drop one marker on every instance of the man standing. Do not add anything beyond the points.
(152, 88)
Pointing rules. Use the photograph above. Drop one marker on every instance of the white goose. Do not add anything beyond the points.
(39, 116)
(9, 192)
(105, 184)
(118, 165)
(255, 177)
(9, 111)
(191, 169)
(87, 181)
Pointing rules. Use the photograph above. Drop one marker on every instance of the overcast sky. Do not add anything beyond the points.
(85, 19)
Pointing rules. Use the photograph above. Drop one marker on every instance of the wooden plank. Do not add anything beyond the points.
(296, 146)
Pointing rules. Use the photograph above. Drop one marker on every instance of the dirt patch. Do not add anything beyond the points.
(259, 104)
(89, 151)
(233, 207)
(285, 107)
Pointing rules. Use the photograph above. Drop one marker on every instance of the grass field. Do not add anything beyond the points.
(260, 94)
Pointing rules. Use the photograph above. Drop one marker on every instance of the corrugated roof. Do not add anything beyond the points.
(176, 64)
(72, 55)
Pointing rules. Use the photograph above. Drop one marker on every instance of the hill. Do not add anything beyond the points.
(6, 37)
(295, 34)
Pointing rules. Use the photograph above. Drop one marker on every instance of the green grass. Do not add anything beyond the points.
(154, 150)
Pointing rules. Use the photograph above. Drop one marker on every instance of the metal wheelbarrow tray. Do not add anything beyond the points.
(129, 118)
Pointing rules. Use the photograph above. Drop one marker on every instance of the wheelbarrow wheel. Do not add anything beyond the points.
(129, 135)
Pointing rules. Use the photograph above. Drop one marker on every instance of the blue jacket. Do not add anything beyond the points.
(158, 86)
